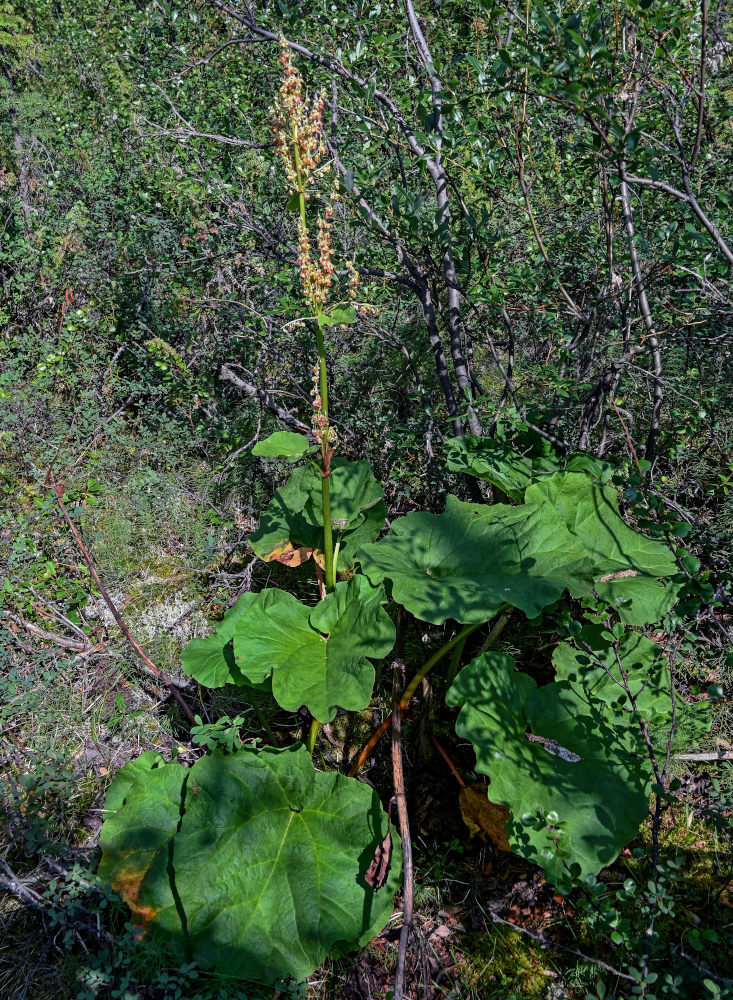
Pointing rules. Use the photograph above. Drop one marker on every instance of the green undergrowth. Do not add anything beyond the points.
(503, 964)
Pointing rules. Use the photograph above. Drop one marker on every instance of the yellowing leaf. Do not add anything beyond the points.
(483, 817)
(289, 554)
(294, 516)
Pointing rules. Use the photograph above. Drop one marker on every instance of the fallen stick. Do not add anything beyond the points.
(58, 490)
(58, 640)
(703, 756)
(10, 882)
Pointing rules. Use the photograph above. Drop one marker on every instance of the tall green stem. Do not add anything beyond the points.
(455, 662)
(329, 567)
(409, 691)
(435, 658)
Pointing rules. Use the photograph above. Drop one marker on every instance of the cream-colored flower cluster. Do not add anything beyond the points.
(316, 278)
(298, 131)
(354, 281)
(297, 125)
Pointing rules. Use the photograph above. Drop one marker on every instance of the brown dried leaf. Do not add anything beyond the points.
(484, 817)
(376, 873)
(622, 574)
(289, 554)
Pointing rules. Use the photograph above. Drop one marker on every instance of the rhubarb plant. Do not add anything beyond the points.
(257, 863)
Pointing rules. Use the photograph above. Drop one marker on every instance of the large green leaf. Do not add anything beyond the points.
(315, 657)
(283, 444)
(511, 468)
(144, 805)
(210, 660)
(473, 559)
(252, 863)
(354, 626)
(575, 793)
(627, 565)
(583, 461)
(495, 461)
(291, 529)
(570, 759)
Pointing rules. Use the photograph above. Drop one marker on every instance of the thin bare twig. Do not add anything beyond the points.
(58, 490)
(11, 883)
(546, 942)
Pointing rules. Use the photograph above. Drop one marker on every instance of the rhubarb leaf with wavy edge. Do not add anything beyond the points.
(252, 863)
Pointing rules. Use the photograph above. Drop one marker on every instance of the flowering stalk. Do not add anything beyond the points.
(297, 128)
